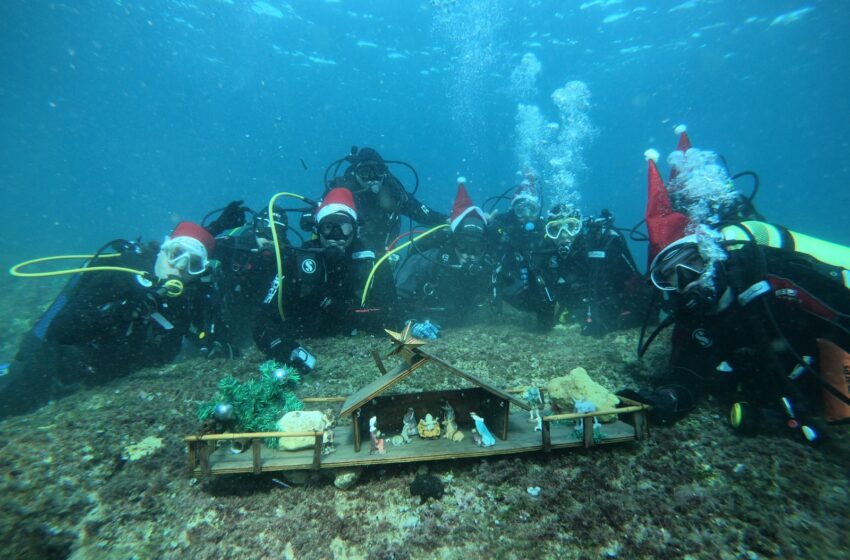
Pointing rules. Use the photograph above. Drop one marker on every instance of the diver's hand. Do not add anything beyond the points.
(223, 350)
(426, 330)
(669, 402)
(139, 305)
(231, 217)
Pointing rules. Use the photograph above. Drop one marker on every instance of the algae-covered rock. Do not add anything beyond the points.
(345, 478)
(577, 385)
(301, 421)
(142, 449)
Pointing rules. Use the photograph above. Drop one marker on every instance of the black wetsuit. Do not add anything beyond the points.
(524, 254)
(778, 303)
(596, 282)
(245, 271)
(380, 226)
(432, 285)
(322, 297)
(102, 325)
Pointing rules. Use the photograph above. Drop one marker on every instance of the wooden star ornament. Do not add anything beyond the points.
(403, 340)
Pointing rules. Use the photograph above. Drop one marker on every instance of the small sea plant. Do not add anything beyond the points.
(257, 404)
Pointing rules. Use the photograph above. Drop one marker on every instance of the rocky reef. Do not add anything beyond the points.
(76, 484)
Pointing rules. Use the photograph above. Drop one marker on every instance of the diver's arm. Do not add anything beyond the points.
(419, 212)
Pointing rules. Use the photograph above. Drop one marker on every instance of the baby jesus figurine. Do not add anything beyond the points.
(429, 427)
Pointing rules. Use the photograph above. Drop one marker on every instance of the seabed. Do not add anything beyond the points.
(694, 490)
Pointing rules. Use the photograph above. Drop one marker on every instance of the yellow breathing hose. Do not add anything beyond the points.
(387, 255)
(277, 254)
(173, 286)
(16, 270)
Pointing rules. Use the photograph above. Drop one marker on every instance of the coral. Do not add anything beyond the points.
(577, 385)
(301, 421)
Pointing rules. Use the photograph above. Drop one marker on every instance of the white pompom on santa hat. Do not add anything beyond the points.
(337, 200)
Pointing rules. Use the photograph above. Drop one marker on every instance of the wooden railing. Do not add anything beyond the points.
(636, 409)
(201, 447)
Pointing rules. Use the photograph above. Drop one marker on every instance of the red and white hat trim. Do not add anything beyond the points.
(463, 206)
(339, 200)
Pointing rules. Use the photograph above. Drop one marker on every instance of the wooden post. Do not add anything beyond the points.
(587, 422)
(355, 424)
(547, 436)
(507, 408)
(192, 445)
(255, 451)
(206, 470)
(379, 362)
(317, 450)
(641, 425)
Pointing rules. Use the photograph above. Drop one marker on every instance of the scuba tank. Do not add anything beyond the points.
(778, 237)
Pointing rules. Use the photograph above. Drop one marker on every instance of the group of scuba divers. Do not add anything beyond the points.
(765, 323)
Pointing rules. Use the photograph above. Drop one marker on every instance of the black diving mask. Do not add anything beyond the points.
(370, 176)
(676, 267)
(337, 228)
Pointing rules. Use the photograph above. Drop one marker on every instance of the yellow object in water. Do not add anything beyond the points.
(778, 237)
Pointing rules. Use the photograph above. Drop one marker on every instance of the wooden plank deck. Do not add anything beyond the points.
(521, 439)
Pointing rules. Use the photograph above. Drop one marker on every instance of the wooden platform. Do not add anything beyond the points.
(211, 455)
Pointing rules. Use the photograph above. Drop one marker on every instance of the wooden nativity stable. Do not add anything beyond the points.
(506, 416)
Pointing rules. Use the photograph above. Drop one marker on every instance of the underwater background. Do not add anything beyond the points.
(121, 118)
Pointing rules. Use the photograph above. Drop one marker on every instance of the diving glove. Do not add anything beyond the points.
(669, 402)
(426, 330)
(233, 216)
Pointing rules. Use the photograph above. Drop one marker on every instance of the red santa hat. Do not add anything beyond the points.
(663, 223)
(463, 206)
(526, 191)
(193, 230)
(337, 200)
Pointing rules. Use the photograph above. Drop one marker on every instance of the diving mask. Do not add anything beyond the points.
(185, 254)
(337, 226)
(570, 226)
(370, 176)
(526, 209)
(676, 267)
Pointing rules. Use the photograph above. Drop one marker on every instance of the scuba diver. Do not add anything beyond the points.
(246, 252)
(591, 272)
(321, 286)
(521, 228)
(761, 315)
(122, 311)
(582, 266)
(380, 197)
(523, 252)
(448, 282)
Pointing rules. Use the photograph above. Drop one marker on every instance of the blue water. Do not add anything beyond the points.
(120, 118)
